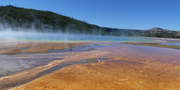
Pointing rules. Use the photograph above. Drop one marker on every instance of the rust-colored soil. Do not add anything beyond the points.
(105, 76)
(13, 48)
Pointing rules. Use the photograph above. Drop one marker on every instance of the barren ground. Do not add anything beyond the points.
(122, 67)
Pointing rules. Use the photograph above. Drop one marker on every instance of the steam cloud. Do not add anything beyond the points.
(8, 32)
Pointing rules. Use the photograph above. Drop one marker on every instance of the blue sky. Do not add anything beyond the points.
(126, 14)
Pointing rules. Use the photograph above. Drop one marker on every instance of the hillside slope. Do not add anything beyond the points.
(46, 21)
(20, 17)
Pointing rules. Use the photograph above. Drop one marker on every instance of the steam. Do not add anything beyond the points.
(34, 36)
(9, 32)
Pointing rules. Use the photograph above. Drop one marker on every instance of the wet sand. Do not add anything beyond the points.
(125, 67)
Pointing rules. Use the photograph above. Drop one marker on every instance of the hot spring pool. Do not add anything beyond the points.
(70, 37)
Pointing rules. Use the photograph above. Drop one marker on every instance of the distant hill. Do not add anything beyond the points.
(46, 21)
(159, 32)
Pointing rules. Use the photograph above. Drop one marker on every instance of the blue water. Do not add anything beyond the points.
(83, 38)
(69, 37)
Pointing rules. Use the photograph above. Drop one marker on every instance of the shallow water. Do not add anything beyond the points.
(128, 67)
(172, 44)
